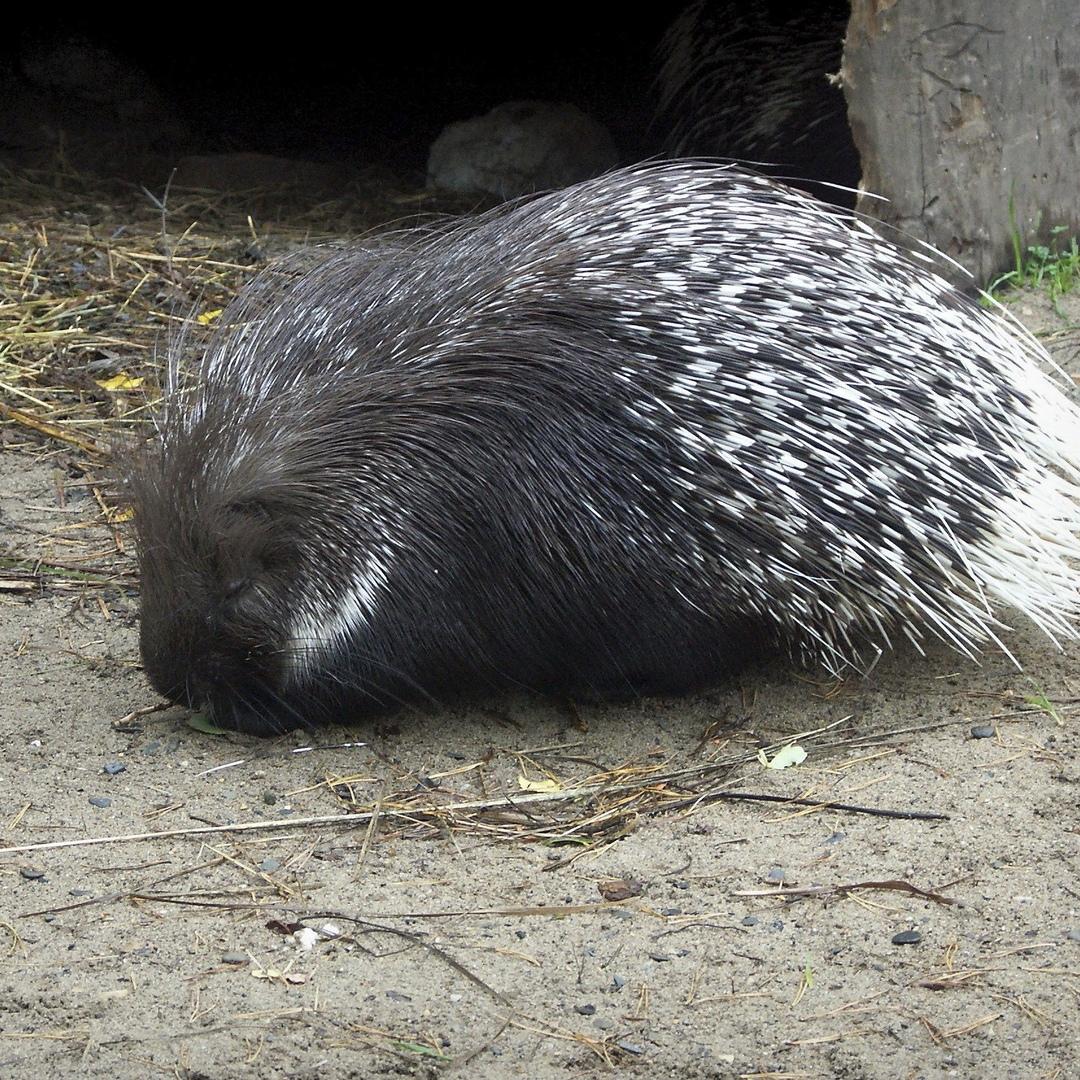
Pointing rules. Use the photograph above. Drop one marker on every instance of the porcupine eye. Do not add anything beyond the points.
(251, 560)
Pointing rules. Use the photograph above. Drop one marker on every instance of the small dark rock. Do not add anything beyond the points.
(234, 958)
(618, 982)
(659, 957)
(982, 731)
(750, 920)
(585, 1010)
(396, 995)
(32, 873)
(775, 875)
(835, 838)
(270, 865)
(1073, 935)
(907, 937)
(671, 911)
(80, 892)
(99, 801)
(680, 884)
(630, 1047)
(520, 934)
(114, 768)
(269, 798)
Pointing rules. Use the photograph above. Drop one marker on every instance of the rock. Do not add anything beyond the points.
(520, 147)
(907, 937)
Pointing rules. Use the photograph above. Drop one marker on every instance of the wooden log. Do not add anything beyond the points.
(966, 114)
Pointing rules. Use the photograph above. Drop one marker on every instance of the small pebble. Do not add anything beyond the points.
(618, 982)
(520, 934)
(306, 938)
(269, 798)
(553, 856)
(269, 865)
(80, 892)
(396, 995)
(604, 1024)
(776, 924)
(234, 958)
(585, 1010)
(100, 801)
(750, 920)
(982, 731)
(835, 838)
(680, 884)
(671, 911)
(622, 913)
(31, 873)
(1073, 935)
(659, 957)
(907, 937)
(775, 875)
(114, 768)
(630, 1047)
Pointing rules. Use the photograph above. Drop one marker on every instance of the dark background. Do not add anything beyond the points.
(379, 90)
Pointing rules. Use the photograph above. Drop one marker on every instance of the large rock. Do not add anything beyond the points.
(520, 147)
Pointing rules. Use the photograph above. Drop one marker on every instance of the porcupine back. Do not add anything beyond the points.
(591, 441)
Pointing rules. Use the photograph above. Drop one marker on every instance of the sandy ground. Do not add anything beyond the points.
(479, 947)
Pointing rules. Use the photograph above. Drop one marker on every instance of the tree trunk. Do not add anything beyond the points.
(966, 114)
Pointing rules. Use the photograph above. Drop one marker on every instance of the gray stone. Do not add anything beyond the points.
(520, 147)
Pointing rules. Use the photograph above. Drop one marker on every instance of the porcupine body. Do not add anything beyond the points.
(752, 81)
(591, 443)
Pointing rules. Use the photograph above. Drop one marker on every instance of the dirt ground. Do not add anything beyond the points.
(640, 931)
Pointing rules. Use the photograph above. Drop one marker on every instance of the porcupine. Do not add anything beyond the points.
(753, 82)
(588, 444)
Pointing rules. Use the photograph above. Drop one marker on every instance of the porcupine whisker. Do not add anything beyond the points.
(374, 691)
(377, 693)
(318, 649)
